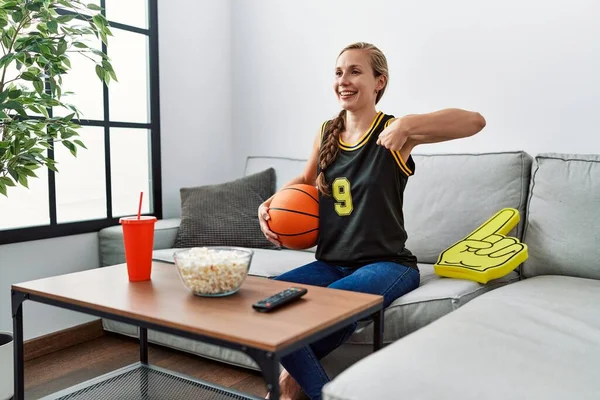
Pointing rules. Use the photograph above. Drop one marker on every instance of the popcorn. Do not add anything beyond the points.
(212, 271)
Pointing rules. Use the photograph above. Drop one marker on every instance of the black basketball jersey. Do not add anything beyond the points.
(362, 221)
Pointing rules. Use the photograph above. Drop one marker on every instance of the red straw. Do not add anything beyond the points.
(140, 206)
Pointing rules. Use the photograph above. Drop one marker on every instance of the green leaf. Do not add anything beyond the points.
(70, 146)
(98, 20)
(13, 94)
(100, 72)
(80, 143)
(94, 7)
(28, 76)
(34, 6)
(12, 104)
(61, 48)
(63, 19)
(68, 133)
(52, 26)
(7, 59)
(113, 75)
(17, 16)
(3, 189)
(13, 173)
(28, 172)
(23, 181)
(52, 167)
(10, 5)
(3, 115)
(42, 61)
(6, 40)
(39, 86)
(7, 181)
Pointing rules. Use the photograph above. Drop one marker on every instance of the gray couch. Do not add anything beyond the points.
(447, 198)
(538, 338)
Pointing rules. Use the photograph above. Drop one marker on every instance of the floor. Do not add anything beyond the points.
(53, 372)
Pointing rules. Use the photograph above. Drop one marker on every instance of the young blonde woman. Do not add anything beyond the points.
(361, 162)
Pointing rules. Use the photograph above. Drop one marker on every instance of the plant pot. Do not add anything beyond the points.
(6, 365)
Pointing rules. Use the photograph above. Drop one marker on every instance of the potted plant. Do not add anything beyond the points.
(36, 40)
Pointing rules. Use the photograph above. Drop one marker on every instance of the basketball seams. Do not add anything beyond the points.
(295, 234)
(293, 211)
(303, 191)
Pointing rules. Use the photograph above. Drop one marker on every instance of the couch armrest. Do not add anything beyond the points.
(112, 250)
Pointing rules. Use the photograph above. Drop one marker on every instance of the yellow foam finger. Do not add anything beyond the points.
(495, 256)
(500, 224)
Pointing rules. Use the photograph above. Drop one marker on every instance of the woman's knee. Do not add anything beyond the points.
(390, 280)
(315, 273)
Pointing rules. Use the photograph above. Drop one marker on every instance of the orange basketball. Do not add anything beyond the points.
(294, 216)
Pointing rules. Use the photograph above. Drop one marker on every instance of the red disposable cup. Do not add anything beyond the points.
(138, 235)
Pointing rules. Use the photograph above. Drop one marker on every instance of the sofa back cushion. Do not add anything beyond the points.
(286, 169)
(563, 218)
(450, 195)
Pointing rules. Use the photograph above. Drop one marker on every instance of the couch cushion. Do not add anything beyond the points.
(535, 339)
(225, 214)
(563, 231)
(435, 297)
(265, 262)
(286, 169)
(453, 194)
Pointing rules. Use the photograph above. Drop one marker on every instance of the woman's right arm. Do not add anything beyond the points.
(308, 177)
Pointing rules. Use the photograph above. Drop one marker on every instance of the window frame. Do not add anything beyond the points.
(55, 229)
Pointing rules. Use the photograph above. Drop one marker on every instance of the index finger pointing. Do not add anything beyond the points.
(501, 223)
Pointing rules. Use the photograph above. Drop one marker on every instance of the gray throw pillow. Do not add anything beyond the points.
(225, 214)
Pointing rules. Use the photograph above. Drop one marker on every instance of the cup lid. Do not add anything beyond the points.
(144, 219)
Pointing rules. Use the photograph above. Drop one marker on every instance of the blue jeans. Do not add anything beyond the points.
(391, 280)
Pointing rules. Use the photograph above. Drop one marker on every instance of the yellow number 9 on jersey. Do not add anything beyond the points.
(343, 197)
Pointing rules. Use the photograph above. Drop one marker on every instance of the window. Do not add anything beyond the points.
(120, 128)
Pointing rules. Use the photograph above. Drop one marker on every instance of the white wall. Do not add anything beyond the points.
(529, 66)
(195, 95)
(21, 262)
(195, 84)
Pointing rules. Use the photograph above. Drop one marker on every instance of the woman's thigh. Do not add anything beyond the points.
(391, 280)
(316, 273)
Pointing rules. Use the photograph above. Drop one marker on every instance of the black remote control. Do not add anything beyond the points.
(279, 299)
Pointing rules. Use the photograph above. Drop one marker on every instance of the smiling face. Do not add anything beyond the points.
(356, 84)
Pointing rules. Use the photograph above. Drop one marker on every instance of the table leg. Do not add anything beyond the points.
(19, 366)
(378, 330)
(143, 345)
(269, 367)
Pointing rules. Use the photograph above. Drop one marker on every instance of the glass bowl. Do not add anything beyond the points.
(213, 271)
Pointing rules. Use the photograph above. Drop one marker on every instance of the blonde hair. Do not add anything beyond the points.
(330, 148)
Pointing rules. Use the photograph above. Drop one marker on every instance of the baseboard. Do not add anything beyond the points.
(42, 345)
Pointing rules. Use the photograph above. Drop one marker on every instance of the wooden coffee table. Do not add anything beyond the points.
(164, 304)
